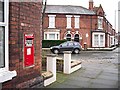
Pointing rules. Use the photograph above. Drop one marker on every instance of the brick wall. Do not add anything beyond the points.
(88, 24)
(24, 18)
(85, 26)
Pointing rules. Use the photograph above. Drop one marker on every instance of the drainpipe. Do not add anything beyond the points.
(91, 30)
(43, 14)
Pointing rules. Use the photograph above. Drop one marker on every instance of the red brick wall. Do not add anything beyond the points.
(87, 24)
(24, 17)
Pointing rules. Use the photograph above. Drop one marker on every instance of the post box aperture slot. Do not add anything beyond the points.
(29, 42)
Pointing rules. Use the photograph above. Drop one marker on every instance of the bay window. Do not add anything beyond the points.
(5, 74)
(98, 40)
(51, 35)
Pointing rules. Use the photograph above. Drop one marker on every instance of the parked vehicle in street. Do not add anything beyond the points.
(73, 46)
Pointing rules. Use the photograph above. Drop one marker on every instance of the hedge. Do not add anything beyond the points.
(49, 43)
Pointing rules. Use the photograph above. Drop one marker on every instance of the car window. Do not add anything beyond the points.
(64, 44)
(70, 44)
(76, 44)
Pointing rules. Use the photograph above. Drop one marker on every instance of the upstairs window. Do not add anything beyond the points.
(100, 22)
(77, 20)
(68, 21)
(51, 21)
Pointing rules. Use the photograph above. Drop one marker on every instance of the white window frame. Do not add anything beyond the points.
(5, 74)
(108, 40)
(100, 24)
(99, 43)
(51, 21)
(77, 21)
(48, 33)
(68, 21)
(111, 40)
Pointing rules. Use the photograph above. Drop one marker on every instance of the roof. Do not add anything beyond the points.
(95, 9)
(68, 9)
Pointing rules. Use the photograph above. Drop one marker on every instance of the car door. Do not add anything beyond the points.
(70, 46)
(63, 47)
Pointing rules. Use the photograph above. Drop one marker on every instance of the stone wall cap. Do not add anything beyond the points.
(51, 55)
(67, 52)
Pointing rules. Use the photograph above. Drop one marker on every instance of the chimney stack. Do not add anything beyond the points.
(91, 4)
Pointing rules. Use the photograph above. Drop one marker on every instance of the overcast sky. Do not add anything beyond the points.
(109, 7)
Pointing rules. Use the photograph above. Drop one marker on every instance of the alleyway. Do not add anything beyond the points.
(99, 70)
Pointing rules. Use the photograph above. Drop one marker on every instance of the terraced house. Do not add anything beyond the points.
(20, 43)
(87, 26)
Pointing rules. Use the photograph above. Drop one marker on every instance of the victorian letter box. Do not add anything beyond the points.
(28, 50)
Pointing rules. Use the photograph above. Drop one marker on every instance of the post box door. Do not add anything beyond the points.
(28, 50)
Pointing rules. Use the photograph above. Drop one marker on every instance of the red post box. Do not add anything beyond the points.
(28, 50)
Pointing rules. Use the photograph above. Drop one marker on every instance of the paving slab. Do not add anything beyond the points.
(78, 83)
(98, 85)
(105, 82)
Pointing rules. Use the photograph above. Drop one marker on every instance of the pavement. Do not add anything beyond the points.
(101, 73)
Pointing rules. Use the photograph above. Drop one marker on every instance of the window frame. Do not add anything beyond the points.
(100, 24)
(5, 74)
(57, 35)
(69, 21)
(77, 21)
(6, 35)
(51, 21)
(111, 40)
(99, 40)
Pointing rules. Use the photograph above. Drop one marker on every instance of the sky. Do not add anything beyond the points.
(109, 6)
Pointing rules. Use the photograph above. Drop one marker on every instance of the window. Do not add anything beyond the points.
(57, 36)
(51, 36)
(101, 40)
(76, 21)
(68, 21)
(112, 40)
(70, 44)
(5, 74)
(98, 40)
(100, 22)
(3, 30)
(45, 36)
(65, 44)
(51, 21)
(1, 11)
(68, 37)
(2, 59)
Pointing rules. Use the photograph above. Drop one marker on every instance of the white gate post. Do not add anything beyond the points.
(67, 62)
(51, 64)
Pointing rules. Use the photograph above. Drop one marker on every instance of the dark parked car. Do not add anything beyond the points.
(73, 46)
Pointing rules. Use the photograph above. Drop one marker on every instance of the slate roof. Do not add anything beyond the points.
(68, 9)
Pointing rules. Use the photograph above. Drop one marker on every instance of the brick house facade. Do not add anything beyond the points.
(87, 26)
(20, 18)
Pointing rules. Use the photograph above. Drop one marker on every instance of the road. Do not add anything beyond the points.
(99, 70)
(97, 55)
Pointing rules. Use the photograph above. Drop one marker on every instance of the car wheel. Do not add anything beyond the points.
(76, 51)
(55, 51)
